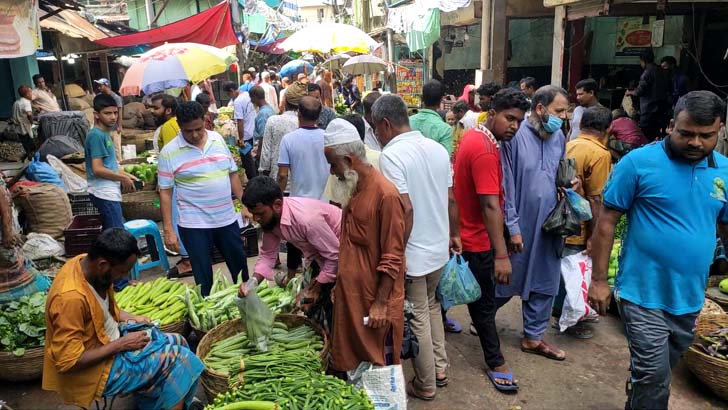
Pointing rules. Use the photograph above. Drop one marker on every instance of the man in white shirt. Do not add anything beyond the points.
(370, 139)
(271, 96)
(420, 169)
(244, 115)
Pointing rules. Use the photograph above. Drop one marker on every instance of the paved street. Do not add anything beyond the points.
(592, 376)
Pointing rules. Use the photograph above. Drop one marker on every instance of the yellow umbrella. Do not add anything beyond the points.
(329, 38)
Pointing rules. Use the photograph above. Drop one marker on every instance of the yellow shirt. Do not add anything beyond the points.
(167, 132)
(593, 164)
(74, 324)
(482, 117)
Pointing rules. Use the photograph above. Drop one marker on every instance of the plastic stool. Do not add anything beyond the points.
(148, 229)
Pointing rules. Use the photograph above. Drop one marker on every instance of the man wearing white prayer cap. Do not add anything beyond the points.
(368, 319)
(343, 131)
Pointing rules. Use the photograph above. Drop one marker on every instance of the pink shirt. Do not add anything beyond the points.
(313, 227)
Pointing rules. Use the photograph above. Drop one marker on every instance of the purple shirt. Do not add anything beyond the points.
(313, 227)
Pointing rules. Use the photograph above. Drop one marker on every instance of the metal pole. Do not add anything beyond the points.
(485, 34)
(149, 7)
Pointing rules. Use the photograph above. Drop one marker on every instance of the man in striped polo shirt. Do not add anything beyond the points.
(199, 166)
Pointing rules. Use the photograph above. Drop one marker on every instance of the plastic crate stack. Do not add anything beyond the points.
(81, 204)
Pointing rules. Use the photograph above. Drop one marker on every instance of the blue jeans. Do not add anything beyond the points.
(111, 215)
(656, 341)
(199, 243)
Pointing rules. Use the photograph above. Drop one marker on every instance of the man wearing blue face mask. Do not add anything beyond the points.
(530, 161)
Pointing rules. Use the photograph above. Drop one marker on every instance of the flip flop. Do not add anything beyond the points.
(543, 349)
(410, 389)
(452, 326)
(442, 382)
(492, 375)
(579, 330)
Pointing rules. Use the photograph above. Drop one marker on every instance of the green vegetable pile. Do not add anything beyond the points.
(145, 172)
(161, 300)
(219, 307)
(288, 377)
(317, 391)
(289, 352)
(614, 262)
(22, 323)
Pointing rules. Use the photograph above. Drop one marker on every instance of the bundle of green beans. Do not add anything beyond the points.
(317, 391)
(161, 300)
(238, 358)
(219, 306)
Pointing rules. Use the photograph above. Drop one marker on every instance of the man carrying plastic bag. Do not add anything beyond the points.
(593, 164)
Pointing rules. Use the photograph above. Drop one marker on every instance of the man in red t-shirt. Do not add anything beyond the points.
(479, 194)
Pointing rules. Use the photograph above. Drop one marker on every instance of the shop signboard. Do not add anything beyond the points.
(633, 36)
(19, 28)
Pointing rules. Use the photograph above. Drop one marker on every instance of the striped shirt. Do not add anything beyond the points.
(202, 180)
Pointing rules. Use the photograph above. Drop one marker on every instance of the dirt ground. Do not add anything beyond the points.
(592, 377)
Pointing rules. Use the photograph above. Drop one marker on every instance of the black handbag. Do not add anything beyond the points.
(562, 221)
(410, 345)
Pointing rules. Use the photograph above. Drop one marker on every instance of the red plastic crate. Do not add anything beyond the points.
(81, 233)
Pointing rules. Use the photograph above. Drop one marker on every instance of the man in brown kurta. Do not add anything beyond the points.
(370, 279)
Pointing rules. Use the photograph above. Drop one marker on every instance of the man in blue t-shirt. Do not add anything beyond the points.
(102, 169)
(673, 193)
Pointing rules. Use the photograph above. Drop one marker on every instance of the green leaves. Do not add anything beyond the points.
(22, 324)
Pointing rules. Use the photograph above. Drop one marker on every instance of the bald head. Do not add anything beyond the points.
(309, 110)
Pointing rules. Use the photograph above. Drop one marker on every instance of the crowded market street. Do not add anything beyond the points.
(359, 205)
(584, 379)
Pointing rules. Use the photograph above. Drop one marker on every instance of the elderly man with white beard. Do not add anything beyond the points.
(369, 294)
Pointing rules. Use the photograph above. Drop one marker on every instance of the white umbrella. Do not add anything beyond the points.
(336, 61)
(365, 64)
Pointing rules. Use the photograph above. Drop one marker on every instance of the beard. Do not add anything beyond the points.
(159, 121)
(343, 190)
(104, 281)
(271, 225)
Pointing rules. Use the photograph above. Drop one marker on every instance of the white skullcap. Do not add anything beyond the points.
(340, 131)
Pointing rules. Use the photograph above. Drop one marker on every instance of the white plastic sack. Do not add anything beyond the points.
(576, 271)
(384, 385)
(41, 245)
(73, 182)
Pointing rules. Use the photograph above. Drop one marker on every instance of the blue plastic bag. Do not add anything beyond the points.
(457, 284)
(40, 171)
(581, 206)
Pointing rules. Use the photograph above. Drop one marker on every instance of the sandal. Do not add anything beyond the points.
(173, 272)
(411, 391)
(501, 387)
(442, 382)
(580, 331)
(452, 326)
(545, 350)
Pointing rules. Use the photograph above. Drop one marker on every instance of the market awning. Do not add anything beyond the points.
(212, 27)
(71, 24)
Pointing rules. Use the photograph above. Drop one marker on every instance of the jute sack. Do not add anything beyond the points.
(46, 208)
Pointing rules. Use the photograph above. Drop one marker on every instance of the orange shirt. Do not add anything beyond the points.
(593, 165)
(74, 324)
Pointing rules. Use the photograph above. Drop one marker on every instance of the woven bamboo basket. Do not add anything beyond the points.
(214, 382)
(182, 327)
(24, 368)
(713, 372)
(141, 205)
(711, 308)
